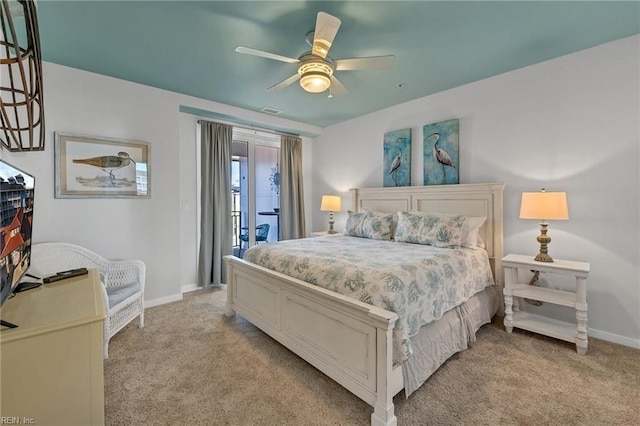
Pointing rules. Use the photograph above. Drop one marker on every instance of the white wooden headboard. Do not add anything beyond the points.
(475, 199)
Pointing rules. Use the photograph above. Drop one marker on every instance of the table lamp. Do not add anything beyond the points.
(544, 206)
(331, 203)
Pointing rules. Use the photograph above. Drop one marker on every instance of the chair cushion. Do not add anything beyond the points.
(118, 294)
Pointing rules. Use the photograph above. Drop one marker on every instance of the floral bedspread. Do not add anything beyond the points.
(418, 282)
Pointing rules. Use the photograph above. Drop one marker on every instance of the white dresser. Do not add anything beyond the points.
(52, 368)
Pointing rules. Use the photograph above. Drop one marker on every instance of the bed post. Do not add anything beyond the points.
(497, 190)
(230, 285)
(354, 200)
(383, 410)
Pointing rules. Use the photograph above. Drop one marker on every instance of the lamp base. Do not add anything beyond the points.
(331, 222)
(544, 241)
(543, 257)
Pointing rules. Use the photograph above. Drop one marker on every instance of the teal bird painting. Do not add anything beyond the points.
(397, 158)
(441, 152)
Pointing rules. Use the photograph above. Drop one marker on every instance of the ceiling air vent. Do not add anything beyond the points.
(269, 110)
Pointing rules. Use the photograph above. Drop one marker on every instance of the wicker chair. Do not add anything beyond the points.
(123, 281)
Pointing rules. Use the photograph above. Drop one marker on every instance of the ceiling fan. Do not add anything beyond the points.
(315, 68)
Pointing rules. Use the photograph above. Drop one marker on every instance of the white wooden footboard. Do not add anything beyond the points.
(347, 340)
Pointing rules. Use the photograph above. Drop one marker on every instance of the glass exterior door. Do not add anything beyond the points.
(267, 171)
(255, 189)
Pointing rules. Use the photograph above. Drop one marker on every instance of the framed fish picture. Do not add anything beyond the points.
(397, 158)
(441, 153)
(97, 167)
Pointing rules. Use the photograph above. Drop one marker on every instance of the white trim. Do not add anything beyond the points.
(614, 338)
(162, 301)
(259, 137)
(188, 288)
(251, 189)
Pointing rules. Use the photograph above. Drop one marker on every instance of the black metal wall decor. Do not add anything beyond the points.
(21, 93)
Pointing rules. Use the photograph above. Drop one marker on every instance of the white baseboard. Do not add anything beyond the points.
(174, 298)
(614, 338)
(162, 300)
(189, 288)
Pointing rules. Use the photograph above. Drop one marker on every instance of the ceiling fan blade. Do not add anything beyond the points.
(263, 54)
(370, 63)
(337, 88)
(284, 83)
(326, 30)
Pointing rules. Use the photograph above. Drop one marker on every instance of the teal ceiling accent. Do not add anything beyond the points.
(188, 46)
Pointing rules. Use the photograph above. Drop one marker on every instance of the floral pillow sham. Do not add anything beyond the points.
(431, 229)
(368, 224)
(470, 229)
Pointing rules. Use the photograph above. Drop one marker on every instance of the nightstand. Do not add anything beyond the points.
(574, 333)
(324, 234)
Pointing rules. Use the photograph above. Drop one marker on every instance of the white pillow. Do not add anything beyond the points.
(471, 231)
(470, 228)
(481, 243)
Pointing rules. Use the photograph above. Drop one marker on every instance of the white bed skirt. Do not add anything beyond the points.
(438, 341)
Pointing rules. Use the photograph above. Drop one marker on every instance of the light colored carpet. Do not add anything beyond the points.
(190, 365)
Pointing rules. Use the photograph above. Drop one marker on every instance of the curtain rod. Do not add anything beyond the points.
(259, 129)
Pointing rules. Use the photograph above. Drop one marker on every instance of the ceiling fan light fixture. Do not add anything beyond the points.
(315, 68)
(315, 76)
(315, 82)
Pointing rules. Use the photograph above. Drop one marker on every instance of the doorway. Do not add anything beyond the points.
(255, 188)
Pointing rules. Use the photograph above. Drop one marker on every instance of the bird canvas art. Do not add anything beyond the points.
(108, 164)
(441, 153)
(100, 167)
(397, 158)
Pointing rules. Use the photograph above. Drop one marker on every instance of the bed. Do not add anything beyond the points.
(356, 343)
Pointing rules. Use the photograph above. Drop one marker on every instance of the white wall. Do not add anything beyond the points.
(569, 124)
(86, 103)
(160, 230)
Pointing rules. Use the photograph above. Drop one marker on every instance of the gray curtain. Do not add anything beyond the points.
(292, 224)
(215, 231)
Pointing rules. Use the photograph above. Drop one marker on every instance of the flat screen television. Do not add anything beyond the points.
(16, 222)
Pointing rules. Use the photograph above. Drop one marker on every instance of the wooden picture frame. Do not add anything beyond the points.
(98, 167)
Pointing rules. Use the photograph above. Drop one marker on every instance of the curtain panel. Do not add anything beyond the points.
(216, 224)
(292, 224)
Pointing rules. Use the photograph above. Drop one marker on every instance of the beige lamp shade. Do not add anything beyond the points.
(331, 203)
(544, 206)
